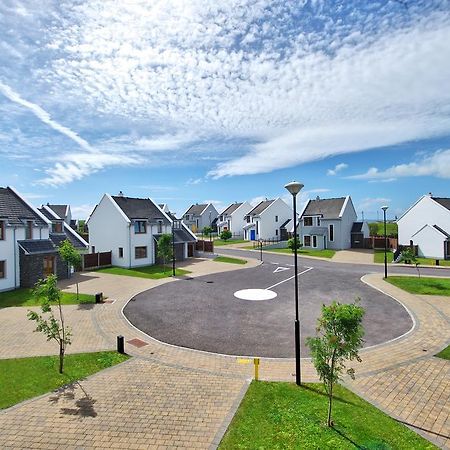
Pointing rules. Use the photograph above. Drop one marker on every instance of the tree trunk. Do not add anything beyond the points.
(78, 298)
(61, 358)
(330, 391)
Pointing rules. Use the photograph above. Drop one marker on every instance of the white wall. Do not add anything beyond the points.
(430, 242)
(425, 211)
(204, 218)
(349, 216)
(237, 218)
(268, 226)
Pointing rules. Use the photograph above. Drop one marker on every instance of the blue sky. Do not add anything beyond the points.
(204, 100)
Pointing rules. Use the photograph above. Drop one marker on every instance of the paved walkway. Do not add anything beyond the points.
(353, 256)
(169, 397)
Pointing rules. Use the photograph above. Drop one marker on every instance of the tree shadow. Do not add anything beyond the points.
(83, 407)
(86, 306)
(324, 394)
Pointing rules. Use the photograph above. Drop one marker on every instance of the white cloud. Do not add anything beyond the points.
(338, 168)
(193, 181)
(81, 212)
(436, 164)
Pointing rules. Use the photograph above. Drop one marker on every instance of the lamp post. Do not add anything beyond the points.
(260, 249)
(294, 188)
(384, 208)
(210, 227)
(173, 247)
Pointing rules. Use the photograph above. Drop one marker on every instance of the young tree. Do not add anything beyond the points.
(340, 335)
(165, 251)
(53, 327)
(292, 242)
(207, 231)
(225, 235)
(70, 255)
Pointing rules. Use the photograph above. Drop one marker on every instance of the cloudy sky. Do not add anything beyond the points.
(205, 100)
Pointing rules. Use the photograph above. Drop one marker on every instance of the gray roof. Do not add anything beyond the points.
(140, 208)
(48, 214)
(13, 208)
(181, 235)
(442, 231)
(327, 208)
(357, 227)
(260, 207)
(59, 210)
(232, 208)
(285, 223)
(444, 201)
(196, 209)
(37, 246)
(320, 231)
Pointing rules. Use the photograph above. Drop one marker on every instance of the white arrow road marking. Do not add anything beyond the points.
(280, 269)
(290, 278)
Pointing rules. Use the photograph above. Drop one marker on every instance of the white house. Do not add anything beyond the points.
(199, 216)
(427, 224)
(62, 211)
(266, 220)
(130, 228)
(232, 218)
(329, 222)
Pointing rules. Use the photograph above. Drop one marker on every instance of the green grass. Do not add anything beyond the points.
(220, 242)
(24, 297)
(227, 259)
(391, 228)
(154, 272)
(444, 354)
(422, 285)
(432, 262)
(378, 256)
(283, 416)
(327, 253)
(25, 378)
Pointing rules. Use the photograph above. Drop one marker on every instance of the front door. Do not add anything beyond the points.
(49, 266)
(252, 235)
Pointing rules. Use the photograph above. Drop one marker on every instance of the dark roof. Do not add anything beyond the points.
(181, 235)
(285, 223)
(232, 208)
(37, 246)
(445, 202)
(59, 210)
(13, 208)
(259, 208)
(48, 214)
(196, 209)
(357, 227)
(442, 231)
(327, 208)
(139, 208)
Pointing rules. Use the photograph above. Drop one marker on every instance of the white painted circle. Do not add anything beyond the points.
(255, 294)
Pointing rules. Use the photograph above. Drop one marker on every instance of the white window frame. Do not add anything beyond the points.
(309, 218)
(331, 235)
(141, 257)
(120, 252)
(314, 241)
(304, 240)
(4, 269)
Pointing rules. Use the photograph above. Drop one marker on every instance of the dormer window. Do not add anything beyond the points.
(2, 230)
(318, 221)
(29, 230)
(160, 224)
(308, 221)
(57, 227)
(140, 227)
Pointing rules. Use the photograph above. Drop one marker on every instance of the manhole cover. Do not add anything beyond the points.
(137, 342)
(255, 294)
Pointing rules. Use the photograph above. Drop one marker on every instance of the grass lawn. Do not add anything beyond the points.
(444, 354)
(283, 416)
(391, 228)
(422, 285)
(318, 253)
(220, 242)
(155, 272)
(432, 262)
(30, 377)
(226, 259)
(24, 297)
(378, 256)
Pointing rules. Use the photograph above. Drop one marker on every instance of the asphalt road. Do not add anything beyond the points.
(204, 314)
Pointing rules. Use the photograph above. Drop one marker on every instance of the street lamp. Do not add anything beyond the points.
(294, 188)
(384, 208)
(260, 249)
(173, 247)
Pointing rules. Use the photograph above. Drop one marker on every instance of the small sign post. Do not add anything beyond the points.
(256, 363)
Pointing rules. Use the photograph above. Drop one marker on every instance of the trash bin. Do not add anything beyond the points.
(99, 297)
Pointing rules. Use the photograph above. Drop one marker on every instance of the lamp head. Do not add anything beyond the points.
(294, 187)
(384, 208)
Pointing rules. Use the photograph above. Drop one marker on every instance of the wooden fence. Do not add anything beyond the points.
(377, 242)
(95, 260)
(204, 246)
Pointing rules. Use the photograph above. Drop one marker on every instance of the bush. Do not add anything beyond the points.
(225, 235)
(291, 243)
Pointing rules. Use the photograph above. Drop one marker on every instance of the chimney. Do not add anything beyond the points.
(430, 194)
(120, 194)
(317, 198)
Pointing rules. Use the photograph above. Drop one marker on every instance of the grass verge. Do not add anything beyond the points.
(30, 377)
(154, 272)
(24, 297)
(444, 354)
(220, 242)
(327, 253)
(227, 259)
(378, 256)
(283, 416)
(377, 228)
(422, 285)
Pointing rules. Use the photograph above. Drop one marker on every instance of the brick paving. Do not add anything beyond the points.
(172, 397)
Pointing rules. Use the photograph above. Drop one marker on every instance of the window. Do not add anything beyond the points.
(140, 227)
(314, 241)
(307, 241)
(331, 234)
(186, 216)
(57, 227)
(29, 230)
(120, 252)
(257, 230)
(93, 249)
(276, 218)
(160, 226)
(140, 252)
(307, 221)
(318, 221)
(2, 269)
(2, 230)
(276, 232)
(247, 218)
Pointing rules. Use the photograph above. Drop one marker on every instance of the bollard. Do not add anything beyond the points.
(256, 363)
(99, 297)
(120, 345)
(437, 262)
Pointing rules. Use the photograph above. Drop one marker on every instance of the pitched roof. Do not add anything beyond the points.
(357, 227)
(441, 231)
(37, 246)
(139, 208)
(260, 207)
(231, 209)
(443, 201)
(181, 235)
(197, 209)
(59, 210)
(13, 208)
(327, 208)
